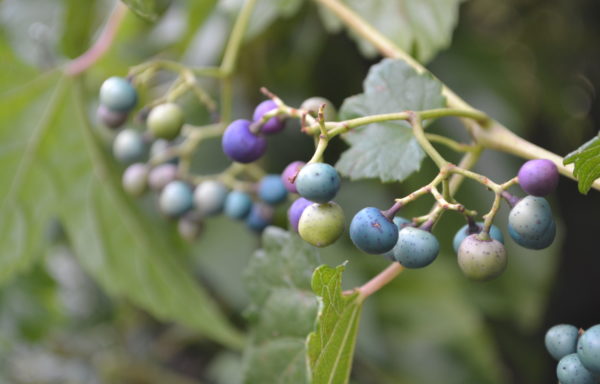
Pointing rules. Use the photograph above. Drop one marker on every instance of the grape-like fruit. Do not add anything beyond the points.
(481, 260)
(321, 224)
(274, 124)
(237, 204)
(570, 371)
(176, 199)
(260, 216)
(289, 173)
(561, 340)
(161, 175)
(530, 223)
(588, 349)
(165, 121)
(400, 222)
(209, 197)
(129, 146)
(538, 177)
(313, 104)
(190, 226)
(117, 94)
(295, 211)
(318, 182)
(271, 189)
(372, 232)
(495, 233)
(415, 248)
(110, 118)
(135, 179)
(240, 144)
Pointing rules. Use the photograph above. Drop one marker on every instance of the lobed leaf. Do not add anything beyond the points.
(586, 160)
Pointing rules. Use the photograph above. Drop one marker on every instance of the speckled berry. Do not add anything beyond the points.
(129, 146)
(289, 174)
(415, 248)
(110, 118)
(209, 197)
(561, 340)
(176, 199)
(588, 349)
(161, 175)
(321, 224)
(530, 223)
(295, 211)
(135, 179)
(271, 189)
(495, 233)
(570, 371)
(481, 260)
(372, 232)
(117, 94)
(260, 216)
(400, 222)
(237, 205)
(165, 121)
(318, 182)
(274, 124)
(538, 177)
(313, 104)
(240, 144)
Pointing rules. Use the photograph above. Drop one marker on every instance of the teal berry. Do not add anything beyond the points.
(530, 223)
(372, 232)
(135, 179)
(209, 197)
(570, 371)
(117, 94)
(416, 247)
(272, 190)
(321, 224)
(588, 349)
(495, 233)
(481, 260)
(400, 222)
(561, 340)
(237, 205)
(129, 146)
(260, 216)
(165, 121)
(176, 199)
(318, 182)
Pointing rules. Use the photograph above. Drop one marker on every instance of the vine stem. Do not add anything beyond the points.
(380, 280)
(102, 44)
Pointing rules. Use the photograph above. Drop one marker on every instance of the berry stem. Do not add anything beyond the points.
(377, 282)
(415, 120)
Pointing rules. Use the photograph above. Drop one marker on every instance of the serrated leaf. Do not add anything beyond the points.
(586, 160)
(420, 27)
(331, 346)
(149, 10)
(282, 310)
(388, 151)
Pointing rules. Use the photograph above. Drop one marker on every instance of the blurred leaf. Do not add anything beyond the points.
(268, 11)
(587, 163)
(282, 310)
(149, 10)
(197, 13)
(420, 27)
(331, 346)
(388, 151)
(78, 23)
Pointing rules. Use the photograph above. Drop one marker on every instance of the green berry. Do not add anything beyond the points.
(481, 260)
(165, 121)
(321, 224)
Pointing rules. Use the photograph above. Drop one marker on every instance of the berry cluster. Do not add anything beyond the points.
(577, 352)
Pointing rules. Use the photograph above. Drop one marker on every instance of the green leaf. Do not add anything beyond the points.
(282, 310)
(266, 12)
(586, 160)
(149, 10)
(420, 27)
(388, 151)
(78, 24)
(331, 346)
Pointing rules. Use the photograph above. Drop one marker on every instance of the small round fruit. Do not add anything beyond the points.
(415, 248)
(209, 197)
(400, 222)
(561, 340)
(117, 94)
(165, 121)
(530, 223)
(481, 260)
(238, 205)
(588, 349)
(538, 177)
(190, 226)
(289, 174)
(240, 144)
(110, 118)
(372, 232)
(295, 211)
(321, 224)
(274, 124)
(176, 199)
(570, 371)
(271, 190)
(313, 104)
(318, 182)
(260, 216)
(161, 175)
(135, 179)
(129, 146)
(495, 233)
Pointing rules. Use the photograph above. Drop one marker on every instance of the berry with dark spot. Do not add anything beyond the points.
(372, 232)
(570, 371)
(321, 224)
(481, 260)
(530, 223)
(538, 177)
(318, 182)
(240, 144)
(561, 340)
(400, 222)
(588, 349)
(416, 248)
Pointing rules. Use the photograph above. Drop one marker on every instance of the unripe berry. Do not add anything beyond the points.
(129, 146)
(190, 226)
(321, 224)
(588, 349)
(570, 371)
(135, 179)
(538, 177)
(289, 173)
(176, 199)
(495, 233)
(165, 121)
(372, 232)
(313, 104)
(110, 118)
(561, 340)
(274, 124)
(530, 223)
(238, 205)
(271, 189)
(240, 144)
(117, 94)
(481, 260)
(415, 248)
(209, 197)
(260, 216)
(295, 211)
(318, 182)
(161, 175)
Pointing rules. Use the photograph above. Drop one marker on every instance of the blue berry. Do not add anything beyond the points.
(561, 340)
(240, 144)
(238, 205)
(165, 121)
(274, 124)
(372, 232)
(135, 179)
(481, 260)
(570, 371)
(538, 177)
(415, 248)
(129, 146)
(400, 222)
(209, 197)
(176, 199)
(530, 223)
(260, 216)
(110, 118)
(495, 233)
(588, 349)
(271, 189)
(117, 94)
(295, 211)
(318, 182)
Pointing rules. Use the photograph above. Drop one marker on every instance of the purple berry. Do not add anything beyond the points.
(110, 118)
(295, 211)
(161, 175)
(240, 144)
(538, 177)
(274, 124)
(289, 173)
